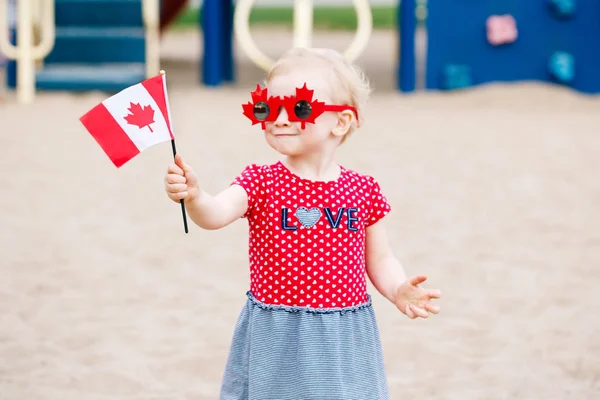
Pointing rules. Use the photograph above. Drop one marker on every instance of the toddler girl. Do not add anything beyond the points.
(307, 329)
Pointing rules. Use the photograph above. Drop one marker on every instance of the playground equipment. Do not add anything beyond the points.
(469, 43)
(111, 44)
(303, 21)
(221, 23)
(26, 52)
(472, 43)
(85, 45)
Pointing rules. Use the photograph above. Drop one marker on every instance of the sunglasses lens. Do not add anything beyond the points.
(303, 109)
(261, 111)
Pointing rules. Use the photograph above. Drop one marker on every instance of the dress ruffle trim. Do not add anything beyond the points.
(309, 310)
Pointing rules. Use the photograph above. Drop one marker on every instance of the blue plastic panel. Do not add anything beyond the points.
(99, 13)
(74, 77)
(98, 45)
(457, 37)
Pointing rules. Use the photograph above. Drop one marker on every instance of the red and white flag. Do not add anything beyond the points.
(132, 120)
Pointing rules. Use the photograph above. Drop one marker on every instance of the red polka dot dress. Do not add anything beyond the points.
(308, 316)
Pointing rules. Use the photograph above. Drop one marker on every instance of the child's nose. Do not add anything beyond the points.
(282, 118)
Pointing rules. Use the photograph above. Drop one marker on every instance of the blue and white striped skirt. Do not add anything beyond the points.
(299, 353)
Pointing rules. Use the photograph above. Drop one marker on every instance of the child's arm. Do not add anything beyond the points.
(383, 268)
(215, 212)
(207, 211)
(388, 277)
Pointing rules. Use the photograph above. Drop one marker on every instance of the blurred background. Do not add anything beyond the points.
(483, 130)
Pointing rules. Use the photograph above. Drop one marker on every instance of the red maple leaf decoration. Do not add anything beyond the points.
(257, 96)
(139, 116)
(318, 107)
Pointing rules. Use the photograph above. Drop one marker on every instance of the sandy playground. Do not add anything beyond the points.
(496, 195)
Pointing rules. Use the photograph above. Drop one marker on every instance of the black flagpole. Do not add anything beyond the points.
(181, 201)
(185, 225)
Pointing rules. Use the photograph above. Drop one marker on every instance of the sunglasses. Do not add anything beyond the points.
(300, 108)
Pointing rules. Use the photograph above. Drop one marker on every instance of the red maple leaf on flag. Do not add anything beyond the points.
(140, 116)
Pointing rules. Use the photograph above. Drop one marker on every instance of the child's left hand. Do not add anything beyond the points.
(414, 301)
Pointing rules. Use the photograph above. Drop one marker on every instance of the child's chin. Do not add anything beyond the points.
(287, 149)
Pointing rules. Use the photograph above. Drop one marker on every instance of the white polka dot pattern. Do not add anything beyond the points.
(307, 238)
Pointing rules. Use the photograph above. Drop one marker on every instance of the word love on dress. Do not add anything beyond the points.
(309, 217)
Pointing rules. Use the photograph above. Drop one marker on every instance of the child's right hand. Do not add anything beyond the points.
(181, 181)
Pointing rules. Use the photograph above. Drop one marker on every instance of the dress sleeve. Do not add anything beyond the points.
(251, 180)
(379, 206)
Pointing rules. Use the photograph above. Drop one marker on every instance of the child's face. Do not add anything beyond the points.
(289, 138)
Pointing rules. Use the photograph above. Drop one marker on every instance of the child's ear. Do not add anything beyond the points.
(344, 122)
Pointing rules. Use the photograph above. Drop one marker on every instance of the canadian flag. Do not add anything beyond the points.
(132, 120)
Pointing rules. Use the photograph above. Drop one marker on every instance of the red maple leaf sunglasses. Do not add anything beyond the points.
(300, 108)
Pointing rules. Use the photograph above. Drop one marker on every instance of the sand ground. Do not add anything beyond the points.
(495, 194)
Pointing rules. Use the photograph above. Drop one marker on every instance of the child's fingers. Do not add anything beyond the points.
(174, 169)
(178, 196)
(419, 311)
(180, 163)
(409, 312)
(432, 308)
(176, 187)
(178, 159)
(175, 178)
(434, 294)
(415, 280)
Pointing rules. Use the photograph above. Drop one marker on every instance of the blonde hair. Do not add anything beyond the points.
(350, 86)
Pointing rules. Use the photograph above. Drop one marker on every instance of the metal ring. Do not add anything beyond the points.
(363, 30)
(241, 22)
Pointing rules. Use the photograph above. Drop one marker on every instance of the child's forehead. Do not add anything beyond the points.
(286, 85)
